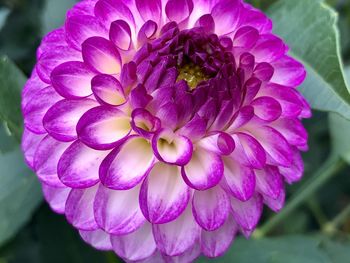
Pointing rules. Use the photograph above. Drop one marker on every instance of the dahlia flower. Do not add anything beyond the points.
(160, 128)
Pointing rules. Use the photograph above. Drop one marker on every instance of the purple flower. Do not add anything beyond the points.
(161, 127)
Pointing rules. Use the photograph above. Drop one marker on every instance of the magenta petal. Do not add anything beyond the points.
(78, 166)
(135, 246)
(30, 142)
(267, 108)
(120, 34)
(46, 159)
(288, 72)
(175, 237)
(293, 130)
(144, 123)
(211, 208)
(97, 239)
(275, 204)
(103, 127)
(56, 197)
(79, 208)
(226, 14)
(72, 80)
(204, 171)
(127, 165)
(220, 143)
(118, 212)
(295, 172)
(215, 243)
(101, 54)
(164, 195)
(243, 116)
(108, 90)
(245, 37)
(33, 85)
(150, 9)
(269, 181)
(172, 148)
(36, 108)
(247, 214)
(147, 32)
(207, 22)
(81, 27)
(188, 256)
(269, 48)
(238, 179)
(263, 71)
(178, 10)
(61, 119)
(54, 39)
(194, 129)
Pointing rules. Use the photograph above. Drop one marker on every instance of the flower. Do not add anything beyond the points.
(160, 128)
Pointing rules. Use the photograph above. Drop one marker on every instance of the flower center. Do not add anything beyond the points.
(192, 74)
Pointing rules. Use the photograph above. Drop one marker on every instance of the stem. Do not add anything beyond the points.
(331, 167)
(340, 219)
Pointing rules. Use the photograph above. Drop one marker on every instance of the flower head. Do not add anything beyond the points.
(161, 127)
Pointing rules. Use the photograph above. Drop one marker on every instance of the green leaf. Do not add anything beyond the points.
(54, 13)
(11, 82)
(7, 142)
(310, 29)
(340, 132)
(20, 194)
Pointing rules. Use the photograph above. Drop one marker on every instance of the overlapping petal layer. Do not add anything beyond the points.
(160, 128)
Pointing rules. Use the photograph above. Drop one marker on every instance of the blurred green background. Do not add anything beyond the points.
(316, 231)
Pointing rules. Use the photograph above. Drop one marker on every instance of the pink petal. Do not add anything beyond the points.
(226, 14)
(56, 197)
(61, 119)
(175, 237)
(188, 256)
(79, 208)
(178, 10)
(108, 90)
(295, 172)
(30, 142)
(150, 9)
(293, 130)
(164, 195)
(269, 48)
(215, 243)
(267, 108)
(135, 246)
(79, 165)
(245, 37)
(118, 212)
(211, 208)
(269, 181)
(288, 72)
(103, 127)
(101, 54)
(127, 165)
(204, 171)
(275, 204)
(97, 239)
(120, 34)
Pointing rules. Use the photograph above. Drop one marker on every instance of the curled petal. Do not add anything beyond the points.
(108, 90)
(100, 54)
(103, 127)
(127, 165)
(144, 123)
(172, 148)
(178, 11)
(204, 171)
(164, 195)
(120, 34)
(150, 10)
(226, 14)
(211, 208)
(147, 32)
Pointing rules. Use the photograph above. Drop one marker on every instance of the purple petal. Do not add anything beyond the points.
(150, 9)
(226, 14)
(269, 181)
(78, 166)
(164, 195)
(293, 130)
(56, 197)
(118, 212)
(188, 256)
(263, 71)
(178, 10)
(108, 90)
(245, 37)
(79, 208)
(207, 23)
(54, 39)
(33, 85)
(172, 148)
(72, 80)
(275, 204)
(46, 159)
(295, 172)
(215, 243)
(238, 179)
(147, 32)
(288, 72)
(204, 171)
(220, 143)
(175, 237)
(97, 239)
(127, 165)
(267, 108)
(168, 115)
(243, 116)
(211, 208)
(36, 108)
(194, 129)
(120, 34)
(103, 127)
(61, 119)
(269, 48)
(30, 142)
(101, 54)
(135, 246)
(144, 123)
(247, 214)
(139, 97)
(81, 27)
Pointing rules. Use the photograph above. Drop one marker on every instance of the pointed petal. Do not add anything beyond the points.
(275, 204)
(269, 181)
(295, 172)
